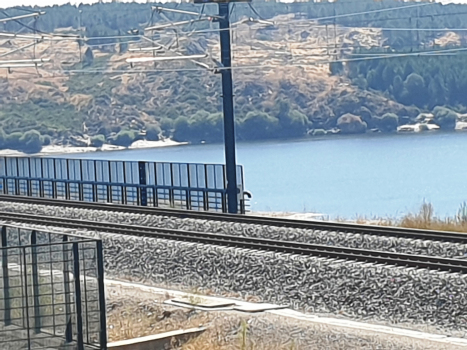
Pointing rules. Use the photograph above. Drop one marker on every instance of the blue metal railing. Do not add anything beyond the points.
(176, 185)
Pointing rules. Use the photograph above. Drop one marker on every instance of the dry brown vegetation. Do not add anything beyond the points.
(287, 62)
(135, 313)
(424, 219)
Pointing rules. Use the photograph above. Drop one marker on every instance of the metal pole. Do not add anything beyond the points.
(6, 280)
(35, 284)
(101, 288)
(66, 289)
(78, 306)
(229, 122)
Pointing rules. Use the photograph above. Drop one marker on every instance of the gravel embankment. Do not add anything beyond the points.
(416, 298)
(362, 241)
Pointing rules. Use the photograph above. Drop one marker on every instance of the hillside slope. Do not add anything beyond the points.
(283, 87)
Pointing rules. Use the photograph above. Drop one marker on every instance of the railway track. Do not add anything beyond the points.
(441, 236)
(361, 255)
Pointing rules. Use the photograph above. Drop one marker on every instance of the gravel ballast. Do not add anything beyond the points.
(332, 238)
(416, 298)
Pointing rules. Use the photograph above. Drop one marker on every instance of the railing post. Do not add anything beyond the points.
(142, 181)
(35, 283)
(80, 184)
(206, 199)
(28, 181)
(17, 191)
(79, 311)
(188, 199)
(109, 187)
(66, 288)
(124, 188)
(101, 287)
(5, 179)
(67, 180)
(95, 190)
(6, 280)
(41, 181)
(54, 181)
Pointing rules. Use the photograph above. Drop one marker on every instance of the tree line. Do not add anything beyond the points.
(425, 81)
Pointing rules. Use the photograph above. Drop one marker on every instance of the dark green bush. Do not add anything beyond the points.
(152, 132)
(98, 140)
(351, 124)
(181, 129)
(167, 125)
(3, 138)
(259, 125)
(202, 126)
(13, 140)
(388, 122)
(444, 117)
(30, 142)
(46, 140)
(125, 138)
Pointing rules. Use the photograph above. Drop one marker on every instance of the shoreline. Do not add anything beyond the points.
(59, 150)
(51, 150)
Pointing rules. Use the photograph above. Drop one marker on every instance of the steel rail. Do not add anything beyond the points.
(361, 255)
(388, 231)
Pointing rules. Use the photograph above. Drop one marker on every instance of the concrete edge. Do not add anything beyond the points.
(155, 341)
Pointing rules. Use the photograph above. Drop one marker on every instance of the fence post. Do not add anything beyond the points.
(101, 287)
(26, 294)
(35, 283)
(79, 311)
(142, 181)
(6, 280)
(66, 288)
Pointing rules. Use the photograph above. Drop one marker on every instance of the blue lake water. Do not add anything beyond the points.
(381, 175)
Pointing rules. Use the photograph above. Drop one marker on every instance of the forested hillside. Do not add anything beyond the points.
(349, 66)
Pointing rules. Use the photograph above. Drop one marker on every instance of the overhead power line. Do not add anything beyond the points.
(439, 52)
(164, 58)
(16, 18)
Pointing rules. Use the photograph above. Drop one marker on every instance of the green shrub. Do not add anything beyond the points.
(181, 129)
(167, 125)
(259, 125)
(152, 132)
(202, 126)
(351, 124)
(125, 138)
(30, 142)
(13, 140)
(444, 117)
(98, 140)
(388, 122)
(3, 138)
(46, 140)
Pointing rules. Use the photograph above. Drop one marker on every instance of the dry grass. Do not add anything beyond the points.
(133, 312)
(137, 315)
(424, 219)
